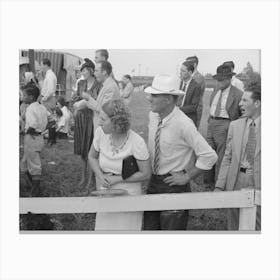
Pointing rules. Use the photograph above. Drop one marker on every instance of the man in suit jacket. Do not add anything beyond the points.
(224, 108)
(241, 165)
(201, 81)
(189, 102)
(108, 91)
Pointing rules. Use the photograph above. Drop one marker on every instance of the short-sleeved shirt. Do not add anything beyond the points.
(111, 161)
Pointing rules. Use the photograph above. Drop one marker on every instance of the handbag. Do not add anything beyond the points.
(129, 167)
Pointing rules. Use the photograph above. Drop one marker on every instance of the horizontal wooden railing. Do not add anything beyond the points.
(246, 200)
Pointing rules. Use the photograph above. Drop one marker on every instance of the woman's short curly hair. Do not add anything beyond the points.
(119, 115)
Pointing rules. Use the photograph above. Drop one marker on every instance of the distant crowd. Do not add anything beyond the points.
(118, 158)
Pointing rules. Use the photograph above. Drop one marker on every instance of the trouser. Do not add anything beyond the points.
(31, 161)
(165, 220)
(243, 181)
(50, 103)
(52, 135)
(216, 137)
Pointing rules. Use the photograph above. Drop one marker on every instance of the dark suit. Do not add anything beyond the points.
(218, 129)
(201, 81)
(191, 100)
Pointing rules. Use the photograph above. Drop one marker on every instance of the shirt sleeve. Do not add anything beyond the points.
(140, 150)
(97, 138)
(206, 157)
(30, 118)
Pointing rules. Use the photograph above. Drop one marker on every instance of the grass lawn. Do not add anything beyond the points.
(62, 169)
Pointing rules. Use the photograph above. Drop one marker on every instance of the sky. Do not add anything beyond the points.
(168, 61)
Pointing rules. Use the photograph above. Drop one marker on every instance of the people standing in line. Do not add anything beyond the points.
(173, 143)
(234, 81)
(108, 91)
(224, 108)
(201, 81)
(48, 97)
(126, 92)
(36, 119)
(190, 101)
(241, 165)
(83, 130)
(114, 142)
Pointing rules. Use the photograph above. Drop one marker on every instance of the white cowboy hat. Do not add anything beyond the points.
(165, 84)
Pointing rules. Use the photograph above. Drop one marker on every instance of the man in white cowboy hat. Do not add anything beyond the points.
(224, 108)
(173, 143)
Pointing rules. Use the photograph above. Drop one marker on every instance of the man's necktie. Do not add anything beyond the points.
(219, 105)
(251, 144)
(157, 148)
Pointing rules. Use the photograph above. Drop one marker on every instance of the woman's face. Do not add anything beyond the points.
(105, 123)
(85, 73)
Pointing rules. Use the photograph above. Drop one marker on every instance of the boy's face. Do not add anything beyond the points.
(27, 98)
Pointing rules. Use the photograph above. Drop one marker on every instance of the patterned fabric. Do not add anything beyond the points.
(157, 148)
(83, 131)
(251, 144)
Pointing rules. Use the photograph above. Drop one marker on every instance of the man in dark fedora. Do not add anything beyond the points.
(224, 108)
(234, 81)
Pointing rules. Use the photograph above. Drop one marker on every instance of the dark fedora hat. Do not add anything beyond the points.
(223, 72)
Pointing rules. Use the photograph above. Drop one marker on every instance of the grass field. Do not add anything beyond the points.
(61, 174)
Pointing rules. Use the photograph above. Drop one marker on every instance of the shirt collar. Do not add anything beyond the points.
(169, 116)
(257, 121)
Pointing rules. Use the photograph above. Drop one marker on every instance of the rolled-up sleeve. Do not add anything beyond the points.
(206, 157)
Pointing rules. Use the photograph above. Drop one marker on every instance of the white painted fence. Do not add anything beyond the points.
(246, 200)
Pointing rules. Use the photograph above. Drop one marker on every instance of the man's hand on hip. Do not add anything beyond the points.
(177, 178)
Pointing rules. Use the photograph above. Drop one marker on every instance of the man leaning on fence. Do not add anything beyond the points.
(173, 142)
(241, 165)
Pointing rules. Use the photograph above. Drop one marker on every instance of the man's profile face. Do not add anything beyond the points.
(98, 57)
(184, 73)
(158, 102)
(248, 105)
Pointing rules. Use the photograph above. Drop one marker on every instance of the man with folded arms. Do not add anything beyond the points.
(173, 143)
(241, 165)
(224, 108)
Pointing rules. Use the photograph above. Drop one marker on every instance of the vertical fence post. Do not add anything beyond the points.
(247, 218)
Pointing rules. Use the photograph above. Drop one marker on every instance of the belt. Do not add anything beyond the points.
(167, 174)
(218, 118)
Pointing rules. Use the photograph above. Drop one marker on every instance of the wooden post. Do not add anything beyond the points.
(31, 56)
(247, 218)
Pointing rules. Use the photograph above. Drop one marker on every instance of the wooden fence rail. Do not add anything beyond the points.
(246, 200)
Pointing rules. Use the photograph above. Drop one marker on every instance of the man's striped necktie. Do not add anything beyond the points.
(157, 148)
(251, 144)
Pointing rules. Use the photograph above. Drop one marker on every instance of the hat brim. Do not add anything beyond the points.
(221, 77)
(152, 90)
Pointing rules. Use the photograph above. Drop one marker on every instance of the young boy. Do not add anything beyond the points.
(36, 119)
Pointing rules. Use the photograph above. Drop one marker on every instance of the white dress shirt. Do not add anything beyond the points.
(36, 116)
(224, 113)
(179, 143)
(186, 86)
(237, 83)
(49, 85)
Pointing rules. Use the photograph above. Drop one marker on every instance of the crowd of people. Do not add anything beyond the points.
(119, 159)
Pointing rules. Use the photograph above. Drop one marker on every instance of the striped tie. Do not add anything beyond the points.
(251, 144)
(156, 158)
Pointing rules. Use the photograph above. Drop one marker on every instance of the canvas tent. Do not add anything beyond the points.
(63, 65)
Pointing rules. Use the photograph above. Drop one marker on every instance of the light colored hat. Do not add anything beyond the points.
(28, 76)
(165, 84)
